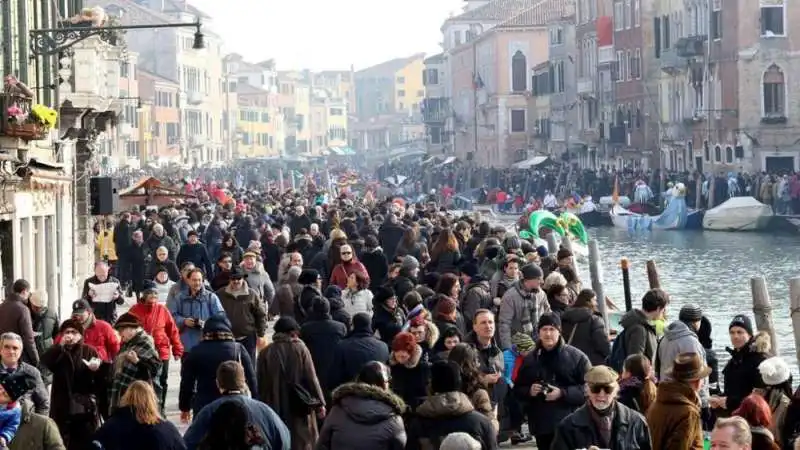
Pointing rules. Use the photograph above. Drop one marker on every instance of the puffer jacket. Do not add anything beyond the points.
(519, 308)
(363, 417)
(476, 296)
(589, 336)
(258, 279)
(678, 338)
(741, 374)
(357, 301)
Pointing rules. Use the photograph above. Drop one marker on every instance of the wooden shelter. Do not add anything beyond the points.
(150, 191)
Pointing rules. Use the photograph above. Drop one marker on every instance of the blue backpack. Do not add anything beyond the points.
(616, 359)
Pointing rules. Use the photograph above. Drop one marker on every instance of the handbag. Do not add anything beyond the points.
(301, 401)
(81, 404)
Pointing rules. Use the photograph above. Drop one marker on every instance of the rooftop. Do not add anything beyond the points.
(496, 10)
(540, 14)
(157, 78)
(391, 66)
(245, 89)
(437, 58)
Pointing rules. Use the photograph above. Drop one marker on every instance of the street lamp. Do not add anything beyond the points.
(52, 41)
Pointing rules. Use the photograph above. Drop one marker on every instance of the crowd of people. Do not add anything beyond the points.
(395, 326)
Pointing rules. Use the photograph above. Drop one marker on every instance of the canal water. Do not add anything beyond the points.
(710, 269)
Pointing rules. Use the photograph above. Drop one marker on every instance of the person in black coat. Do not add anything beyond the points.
(446, 411)
(741, 374)
(390, 234)
(388, 318)
(410, 372)
(338, 313)
(195, 252)
(358, 348)
(322, 334)
(550, 383)
(199, 367)
(374, 260)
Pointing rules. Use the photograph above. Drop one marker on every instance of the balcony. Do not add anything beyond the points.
(19, 120)
(691, 47)
(606, 55)
(434, 110)
(671, 63)
(586, 87)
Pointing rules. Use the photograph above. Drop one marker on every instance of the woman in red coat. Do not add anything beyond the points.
(348, 263)
(158, 323)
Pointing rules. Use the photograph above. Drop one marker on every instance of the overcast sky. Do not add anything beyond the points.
(320, 34)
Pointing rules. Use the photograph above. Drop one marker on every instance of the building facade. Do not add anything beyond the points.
(565, 126)
(162, 95)
(391, 87)
(259, 122)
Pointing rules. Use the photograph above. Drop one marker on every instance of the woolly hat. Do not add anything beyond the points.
(445, 377)
(690, 313)
(17, 384)
(542, 251)
(522, 342)
(470, 269)
(774, 371)
(127, 320)
(549, 320)
(409, 263)
(404, 341)
(531, 272)
(742, 321)
(76, 325)
(383, 294)
(217, 324)
(320, 306)
(332, 292)
(148, 286)
(286, 324)
(308, 276)
(563, 253)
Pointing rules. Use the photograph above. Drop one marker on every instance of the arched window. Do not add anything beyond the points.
(706, 151)
(729, 154)
(774, 92)
(629, 117)
(620, 117)
(519, 69)
(717, 153)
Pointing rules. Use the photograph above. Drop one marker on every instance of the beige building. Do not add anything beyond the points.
(491, 106)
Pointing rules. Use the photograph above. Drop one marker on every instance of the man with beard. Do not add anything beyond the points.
(602, 421)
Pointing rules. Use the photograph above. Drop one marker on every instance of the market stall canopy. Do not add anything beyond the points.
(150, 191)
(532, 162)
(341, 151)
(447, 161)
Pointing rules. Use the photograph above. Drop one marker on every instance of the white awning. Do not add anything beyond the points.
(531, 162)
(447, 161)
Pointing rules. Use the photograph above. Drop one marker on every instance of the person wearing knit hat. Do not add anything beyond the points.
(522, 343)
(775, 372)
(137, 359)
(287, 325)
(410, 265)
(680, 336)
(549, 319)
(12, 388)
(564, 257)
(542, 251)
(690, 313)
(71, 324)
(743, 322)
(309, 277)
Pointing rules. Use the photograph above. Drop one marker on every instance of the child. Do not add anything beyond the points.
(12, 388)
(521, 344)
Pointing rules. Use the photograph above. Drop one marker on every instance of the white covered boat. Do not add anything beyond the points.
(738, 214)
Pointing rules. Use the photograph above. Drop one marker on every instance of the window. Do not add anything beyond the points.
(716, 21)
(627, 14)
(637, 15)
(667, 37)
(560, 74)
(401, 80)
(336, 111)
(706, 151)
(123, 69)
(430, 77)
(728, 154)
(717, 153)
(265, 117)
(420, 93)
(636, 64)
(628, 66)
(618, 16)
(556, 35)
(620, 66)
(519, 75)
(774, 96)
(517, 120)
(772, 20)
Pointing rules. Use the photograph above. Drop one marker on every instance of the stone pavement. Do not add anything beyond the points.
(173, 385)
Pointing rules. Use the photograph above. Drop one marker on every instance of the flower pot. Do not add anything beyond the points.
(25, 131)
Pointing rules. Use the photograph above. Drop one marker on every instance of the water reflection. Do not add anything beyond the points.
(711, 269)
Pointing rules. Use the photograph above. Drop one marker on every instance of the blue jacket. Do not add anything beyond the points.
(272, 427)
(10, 417)
(183, 306)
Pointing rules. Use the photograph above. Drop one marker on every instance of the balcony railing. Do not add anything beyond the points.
(18, 119)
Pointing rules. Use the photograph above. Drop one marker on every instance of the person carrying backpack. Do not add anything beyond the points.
(638, 335)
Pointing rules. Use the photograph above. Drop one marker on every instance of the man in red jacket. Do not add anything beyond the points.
(157, 321)
(99, 335)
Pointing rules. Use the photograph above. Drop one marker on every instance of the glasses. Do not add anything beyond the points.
(347, 253)
(598, 388)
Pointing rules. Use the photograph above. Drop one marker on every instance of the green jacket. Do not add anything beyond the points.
(36, 432)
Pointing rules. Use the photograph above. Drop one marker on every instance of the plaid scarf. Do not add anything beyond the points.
(125, 372)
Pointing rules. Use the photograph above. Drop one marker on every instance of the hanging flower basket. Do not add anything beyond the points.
(26, 131)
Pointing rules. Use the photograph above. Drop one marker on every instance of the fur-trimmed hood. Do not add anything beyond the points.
(760, 343)
(431, 334)
(367, 404)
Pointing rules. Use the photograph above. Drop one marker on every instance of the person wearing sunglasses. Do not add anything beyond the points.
(599, 422)
(347, 264)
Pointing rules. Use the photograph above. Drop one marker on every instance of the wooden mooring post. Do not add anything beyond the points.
(794, 296)
(625, 265)
(596, 274)
(552, 245)
(762, 310)
(652, 275)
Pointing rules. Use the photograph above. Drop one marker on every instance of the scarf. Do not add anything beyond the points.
(604, 421)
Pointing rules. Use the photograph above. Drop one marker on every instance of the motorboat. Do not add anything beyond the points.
(738, 214)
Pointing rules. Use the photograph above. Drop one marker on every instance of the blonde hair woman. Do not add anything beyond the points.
(137, 423)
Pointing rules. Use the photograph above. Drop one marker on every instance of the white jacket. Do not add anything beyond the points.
(357, 301)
